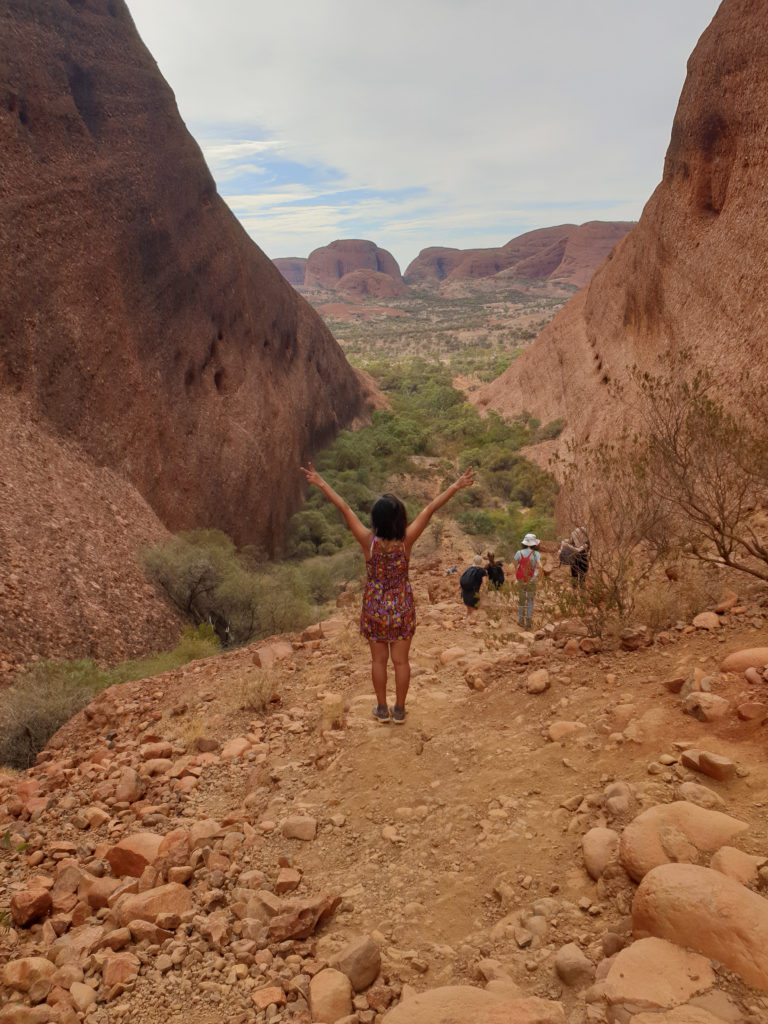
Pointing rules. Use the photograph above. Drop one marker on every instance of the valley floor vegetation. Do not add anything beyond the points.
(416, 445)
(478, 334)
(50, 692)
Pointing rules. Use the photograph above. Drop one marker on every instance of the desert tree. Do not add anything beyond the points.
(703, 453)
(604, 488)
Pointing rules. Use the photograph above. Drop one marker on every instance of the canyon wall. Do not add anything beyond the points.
(691, 275)
(156, 371)
(136, 316)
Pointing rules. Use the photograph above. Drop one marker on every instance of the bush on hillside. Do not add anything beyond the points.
(49, 693)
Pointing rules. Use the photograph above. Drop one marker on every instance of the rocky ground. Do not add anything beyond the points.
(240, 840)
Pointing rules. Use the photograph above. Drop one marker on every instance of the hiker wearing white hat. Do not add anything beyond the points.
(527, 561)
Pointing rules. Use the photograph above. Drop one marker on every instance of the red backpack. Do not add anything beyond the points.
(526, 568)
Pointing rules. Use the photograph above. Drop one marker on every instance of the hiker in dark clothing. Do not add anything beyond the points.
(470, 582)
(495, 571)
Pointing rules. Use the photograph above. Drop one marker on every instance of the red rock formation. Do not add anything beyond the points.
(293, 269)
(156, 371)
(326, 266)
(567, 253)
(372, 284)
(433, 264)
(136, 316)
(691, 274)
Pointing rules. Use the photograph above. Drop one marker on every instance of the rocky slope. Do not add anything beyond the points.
(567, 253)
(691, 274)
(510, 854)
(71, 584)
(137, 317)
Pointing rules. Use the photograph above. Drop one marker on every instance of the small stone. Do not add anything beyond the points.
(600, 847)
(288, 879)
(360, 961)
(452, 654)
(299, 826)
(330, 995)
(701, 795)
(23, 973)
(707, 620)
(30, 905)
(573, 967)
(264, 997)
(752, 710)
(561, 730)
(83, 996)
(538, 681)
(706, 707)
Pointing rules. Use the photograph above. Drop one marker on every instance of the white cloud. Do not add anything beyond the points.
(483, 105)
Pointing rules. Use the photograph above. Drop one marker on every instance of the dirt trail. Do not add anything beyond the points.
(444, 834)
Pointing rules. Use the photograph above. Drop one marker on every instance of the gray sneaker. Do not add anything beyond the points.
(381, 713)
(398, 715)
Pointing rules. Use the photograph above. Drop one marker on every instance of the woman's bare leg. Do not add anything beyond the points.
(400, 649)
(379, 658)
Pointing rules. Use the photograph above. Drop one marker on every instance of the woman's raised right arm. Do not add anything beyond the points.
(362, 535)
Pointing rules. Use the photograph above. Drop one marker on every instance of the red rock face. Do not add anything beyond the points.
(691, 274)
(372, 284)
(328, 265)
(136, 316)
(567, 253)
(293, 269)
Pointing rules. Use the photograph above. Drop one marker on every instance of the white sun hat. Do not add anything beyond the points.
(530, 540)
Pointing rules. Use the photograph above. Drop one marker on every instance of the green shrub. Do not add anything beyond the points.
(49, 693)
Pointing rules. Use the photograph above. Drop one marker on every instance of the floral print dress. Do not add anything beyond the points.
(388, 609)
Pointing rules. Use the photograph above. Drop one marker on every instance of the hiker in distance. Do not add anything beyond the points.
(527, 561)
(574, 551)
(388, 618)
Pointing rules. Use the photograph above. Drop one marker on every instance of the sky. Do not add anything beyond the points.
(415, 123)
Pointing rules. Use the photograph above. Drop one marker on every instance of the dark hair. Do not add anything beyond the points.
(389, 518)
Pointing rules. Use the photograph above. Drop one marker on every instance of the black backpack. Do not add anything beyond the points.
(471, 578)
(496, 574)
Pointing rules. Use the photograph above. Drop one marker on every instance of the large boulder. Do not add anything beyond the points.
(463, 1004)
(705, 910)
(172, 898)
(652, 974)
(740, 661)
(680, 831)
(567, 253)
(134, 853)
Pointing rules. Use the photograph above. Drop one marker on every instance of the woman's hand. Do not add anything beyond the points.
(466, 479)
(312, 476)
